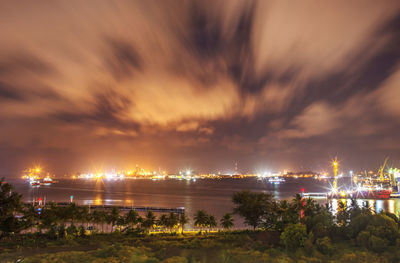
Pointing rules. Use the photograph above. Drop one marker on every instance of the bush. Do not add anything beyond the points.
(176, 260)
(309, 246)
(324, 245)
(363, 239)
(358, 224)
(52, 233)
(377, 244)
(81, 231)
(385, 227)
(294, 236)
(61, 231)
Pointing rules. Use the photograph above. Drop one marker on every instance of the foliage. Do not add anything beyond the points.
(149, 221)
(293, 236)
(309, 230)
(324, 245)
(183, 220)
(253, 207)
(201, 219)
(227, 221)
(10, 204)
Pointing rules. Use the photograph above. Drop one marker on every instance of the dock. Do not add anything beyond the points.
(178, 210)
(314, 195)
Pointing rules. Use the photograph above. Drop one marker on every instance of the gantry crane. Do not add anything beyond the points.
(335, 164)
(380, 171)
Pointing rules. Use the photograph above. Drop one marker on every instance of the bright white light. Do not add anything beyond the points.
(188, 172)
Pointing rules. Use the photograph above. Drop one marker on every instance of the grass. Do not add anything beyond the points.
(237, 246)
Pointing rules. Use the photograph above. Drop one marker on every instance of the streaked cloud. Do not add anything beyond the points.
(171, 82)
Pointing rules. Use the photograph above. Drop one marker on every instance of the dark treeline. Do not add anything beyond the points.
(304, 223)
(296, 224)
(74, 220)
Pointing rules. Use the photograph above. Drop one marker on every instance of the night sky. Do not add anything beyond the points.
(199, 84)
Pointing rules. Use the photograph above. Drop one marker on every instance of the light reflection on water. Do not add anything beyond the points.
(376, 206)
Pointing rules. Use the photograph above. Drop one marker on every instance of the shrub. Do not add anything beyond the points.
(294, 236)
(176, 260)
(81, 231)
(61, 231)
(377, 244)
(324, 245)
(363, 239)
(52, 233)
(309, 246)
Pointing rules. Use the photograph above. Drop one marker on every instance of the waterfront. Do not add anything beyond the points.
(215, 196)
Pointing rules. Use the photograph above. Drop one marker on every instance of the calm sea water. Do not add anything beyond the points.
(215, 196)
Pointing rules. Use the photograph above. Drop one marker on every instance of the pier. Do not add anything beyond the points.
(178, 210)
(314, 195)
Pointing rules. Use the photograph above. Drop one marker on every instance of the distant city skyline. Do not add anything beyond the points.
(199, 84)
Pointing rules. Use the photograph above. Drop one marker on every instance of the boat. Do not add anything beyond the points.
(34, 183)
(48, 181)
(276, 180)
(34, 175)
(361, 194)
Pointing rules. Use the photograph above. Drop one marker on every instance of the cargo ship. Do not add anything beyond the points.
(361, 194)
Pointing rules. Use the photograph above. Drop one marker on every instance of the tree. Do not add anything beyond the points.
(30, 217)
(61, 213)
(201, 219)
(112, 217)
(132, 218)
(149, 221)
(10, 204)
(121, 221)
(172, 221)
(252, 206)
(72, 213)
(99, 217)
(227, 221)
(163, 222)
(211, 222)
(183, 220)
(279, 214)
(48, 217)
(294, 236)
(321, 224)
(83, 214)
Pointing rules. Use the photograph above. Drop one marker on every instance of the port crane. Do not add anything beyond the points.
(380, 171)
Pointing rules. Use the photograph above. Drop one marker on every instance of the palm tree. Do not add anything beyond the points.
(132, 218)
(95, 217)
(183, 219)
(201, 219)
(172, 221)
(120, 222)
(61, 212)
(89, 219)
(112, 217)
(149, 221)
(72, 212)
(227, 221)
(163, 222)
(99, 217)
(83, 214)
(211, 222)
